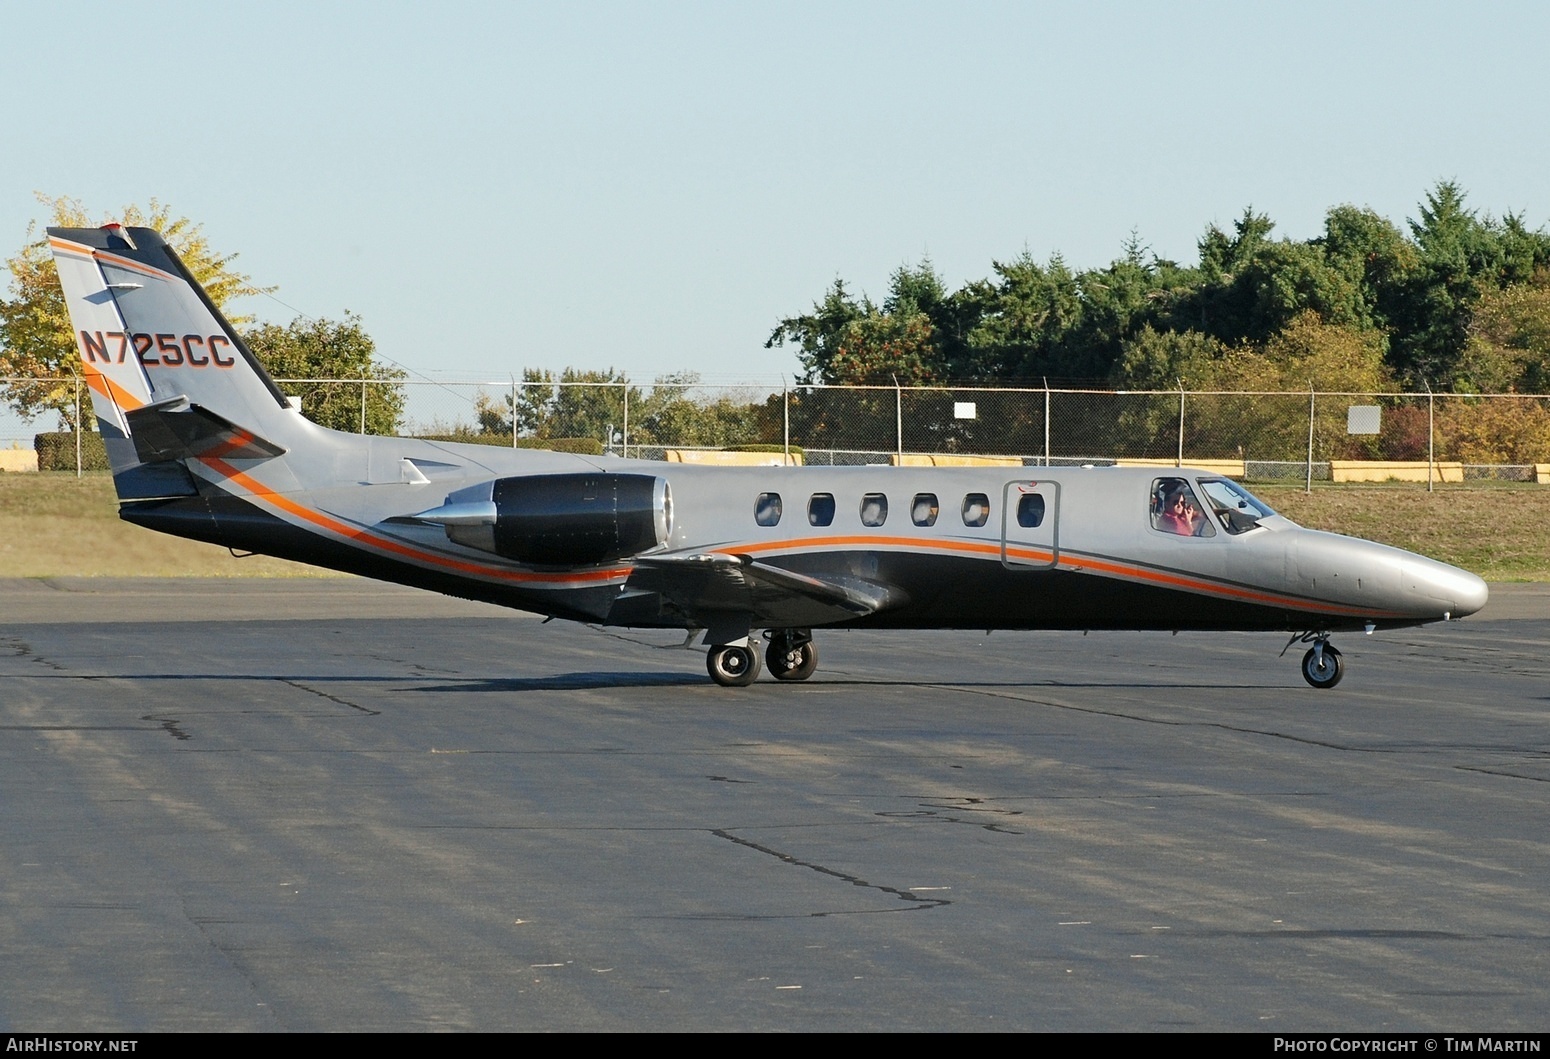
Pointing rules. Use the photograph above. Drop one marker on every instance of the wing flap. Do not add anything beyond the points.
(712, 583)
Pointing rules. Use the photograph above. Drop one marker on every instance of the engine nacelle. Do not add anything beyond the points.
(560, 519)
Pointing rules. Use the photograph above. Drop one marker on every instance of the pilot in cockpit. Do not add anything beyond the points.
(1178, 512)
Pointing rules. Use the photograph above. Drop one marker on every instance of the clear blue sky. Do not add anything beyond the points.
(653, 186)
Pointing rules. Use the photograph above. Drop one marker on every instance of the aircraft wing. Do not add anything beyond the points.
(706, 584)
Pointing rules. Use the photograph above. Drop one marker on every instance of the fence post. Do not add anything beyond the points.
(1431, 454)
(513, 379)
(78, 426)
(898, 419)
(363, 404)
(626, 439)
(1308, 488)
(1046, 420)
(1180, 461)
(785, 405)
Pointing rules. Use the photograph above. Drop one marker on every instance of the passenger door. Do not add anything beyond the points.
(1030, 538)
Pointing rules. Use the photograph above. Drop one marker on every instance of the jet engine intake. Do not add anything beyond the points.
(560, 519)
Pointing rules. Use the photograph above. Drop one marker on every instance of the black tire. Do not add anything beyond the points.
(1327, 674)
(732, 667)
(796, 662)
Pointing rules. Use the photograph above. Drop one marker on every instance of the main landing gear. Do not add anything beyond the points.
(791, 655)
(1322, 666)
(733, 665)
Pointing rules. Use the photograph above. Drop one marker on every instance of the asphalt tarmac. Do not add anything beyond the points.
(333, 805)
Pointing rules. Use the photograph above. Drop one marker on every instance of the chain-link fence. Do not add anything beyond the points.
(1295, 436)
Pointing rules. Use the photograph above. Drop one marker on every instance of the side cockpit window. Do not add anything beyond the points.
(1175, 509)
(766, 510)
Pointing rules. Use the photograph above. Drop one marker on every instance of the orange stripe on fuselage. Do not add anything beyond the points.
(261, 492)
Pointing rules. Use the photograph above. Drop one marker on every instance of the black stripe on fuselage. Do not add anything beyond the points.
(961, 592)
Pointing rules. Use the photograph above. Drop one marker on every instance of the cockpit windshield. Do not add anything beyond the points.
(1235, 507)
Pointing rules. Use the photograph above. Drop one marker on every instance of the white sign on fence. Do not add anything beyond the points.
(1363, 419)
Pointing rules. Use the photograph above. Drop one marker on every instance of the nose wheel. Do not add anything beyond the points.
(1322, 666)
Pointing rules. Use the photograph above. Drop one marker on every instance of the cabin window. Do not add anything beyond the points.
(1030, 510)
(874, 509)
(820, 509)
(976, 509)
(923, 510)
(1175, 509)
(766, 510)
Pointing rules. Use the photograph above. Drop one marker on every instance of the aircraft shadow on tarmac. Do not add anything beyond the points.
(432, 682)
(586, 681)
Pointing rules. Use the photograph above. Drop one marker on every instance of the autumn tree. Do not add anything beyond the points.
(1507, 348)
(37, 344)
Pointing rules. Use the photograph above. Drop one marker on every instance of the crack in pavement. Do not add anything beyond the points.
(331, 698)
(918, 903)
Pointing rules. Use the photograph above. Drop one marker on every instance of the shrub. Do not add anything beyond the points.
(56, 451)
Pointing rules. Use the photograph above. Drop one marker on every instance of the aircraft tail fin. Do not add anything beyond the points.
(170, 377)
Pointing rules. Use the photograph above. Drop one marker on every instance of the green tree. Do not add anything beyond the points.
(1024, 320)
(1410, 294)
(1116, 302)
(1251, 286)
(1461, 256)
(910, 338)
(1162, 360)
(671, 414)
(579, 403)
(1375, 255)
(36, 340)
(310, 349)
(818, 334)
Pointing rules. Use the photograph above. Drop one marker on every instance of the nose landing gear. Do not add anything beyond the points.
(1322, 666)
(733, 665)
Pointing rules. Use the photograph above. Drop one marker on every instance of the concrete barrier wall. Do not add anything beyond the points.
(1393, 471)
(1225, 468)
(18, 460)
(718, 458)
(926, 459)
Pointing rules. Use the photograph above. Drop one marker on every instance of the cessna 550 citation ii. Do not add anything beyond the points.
(203, 445)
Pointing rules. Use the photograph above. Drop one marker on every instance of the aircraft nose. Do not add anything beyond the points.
(1471, 594)
(1458, 592)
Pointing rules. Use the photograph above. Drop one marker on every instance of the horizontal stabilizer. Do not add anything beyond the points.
(177, 430)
